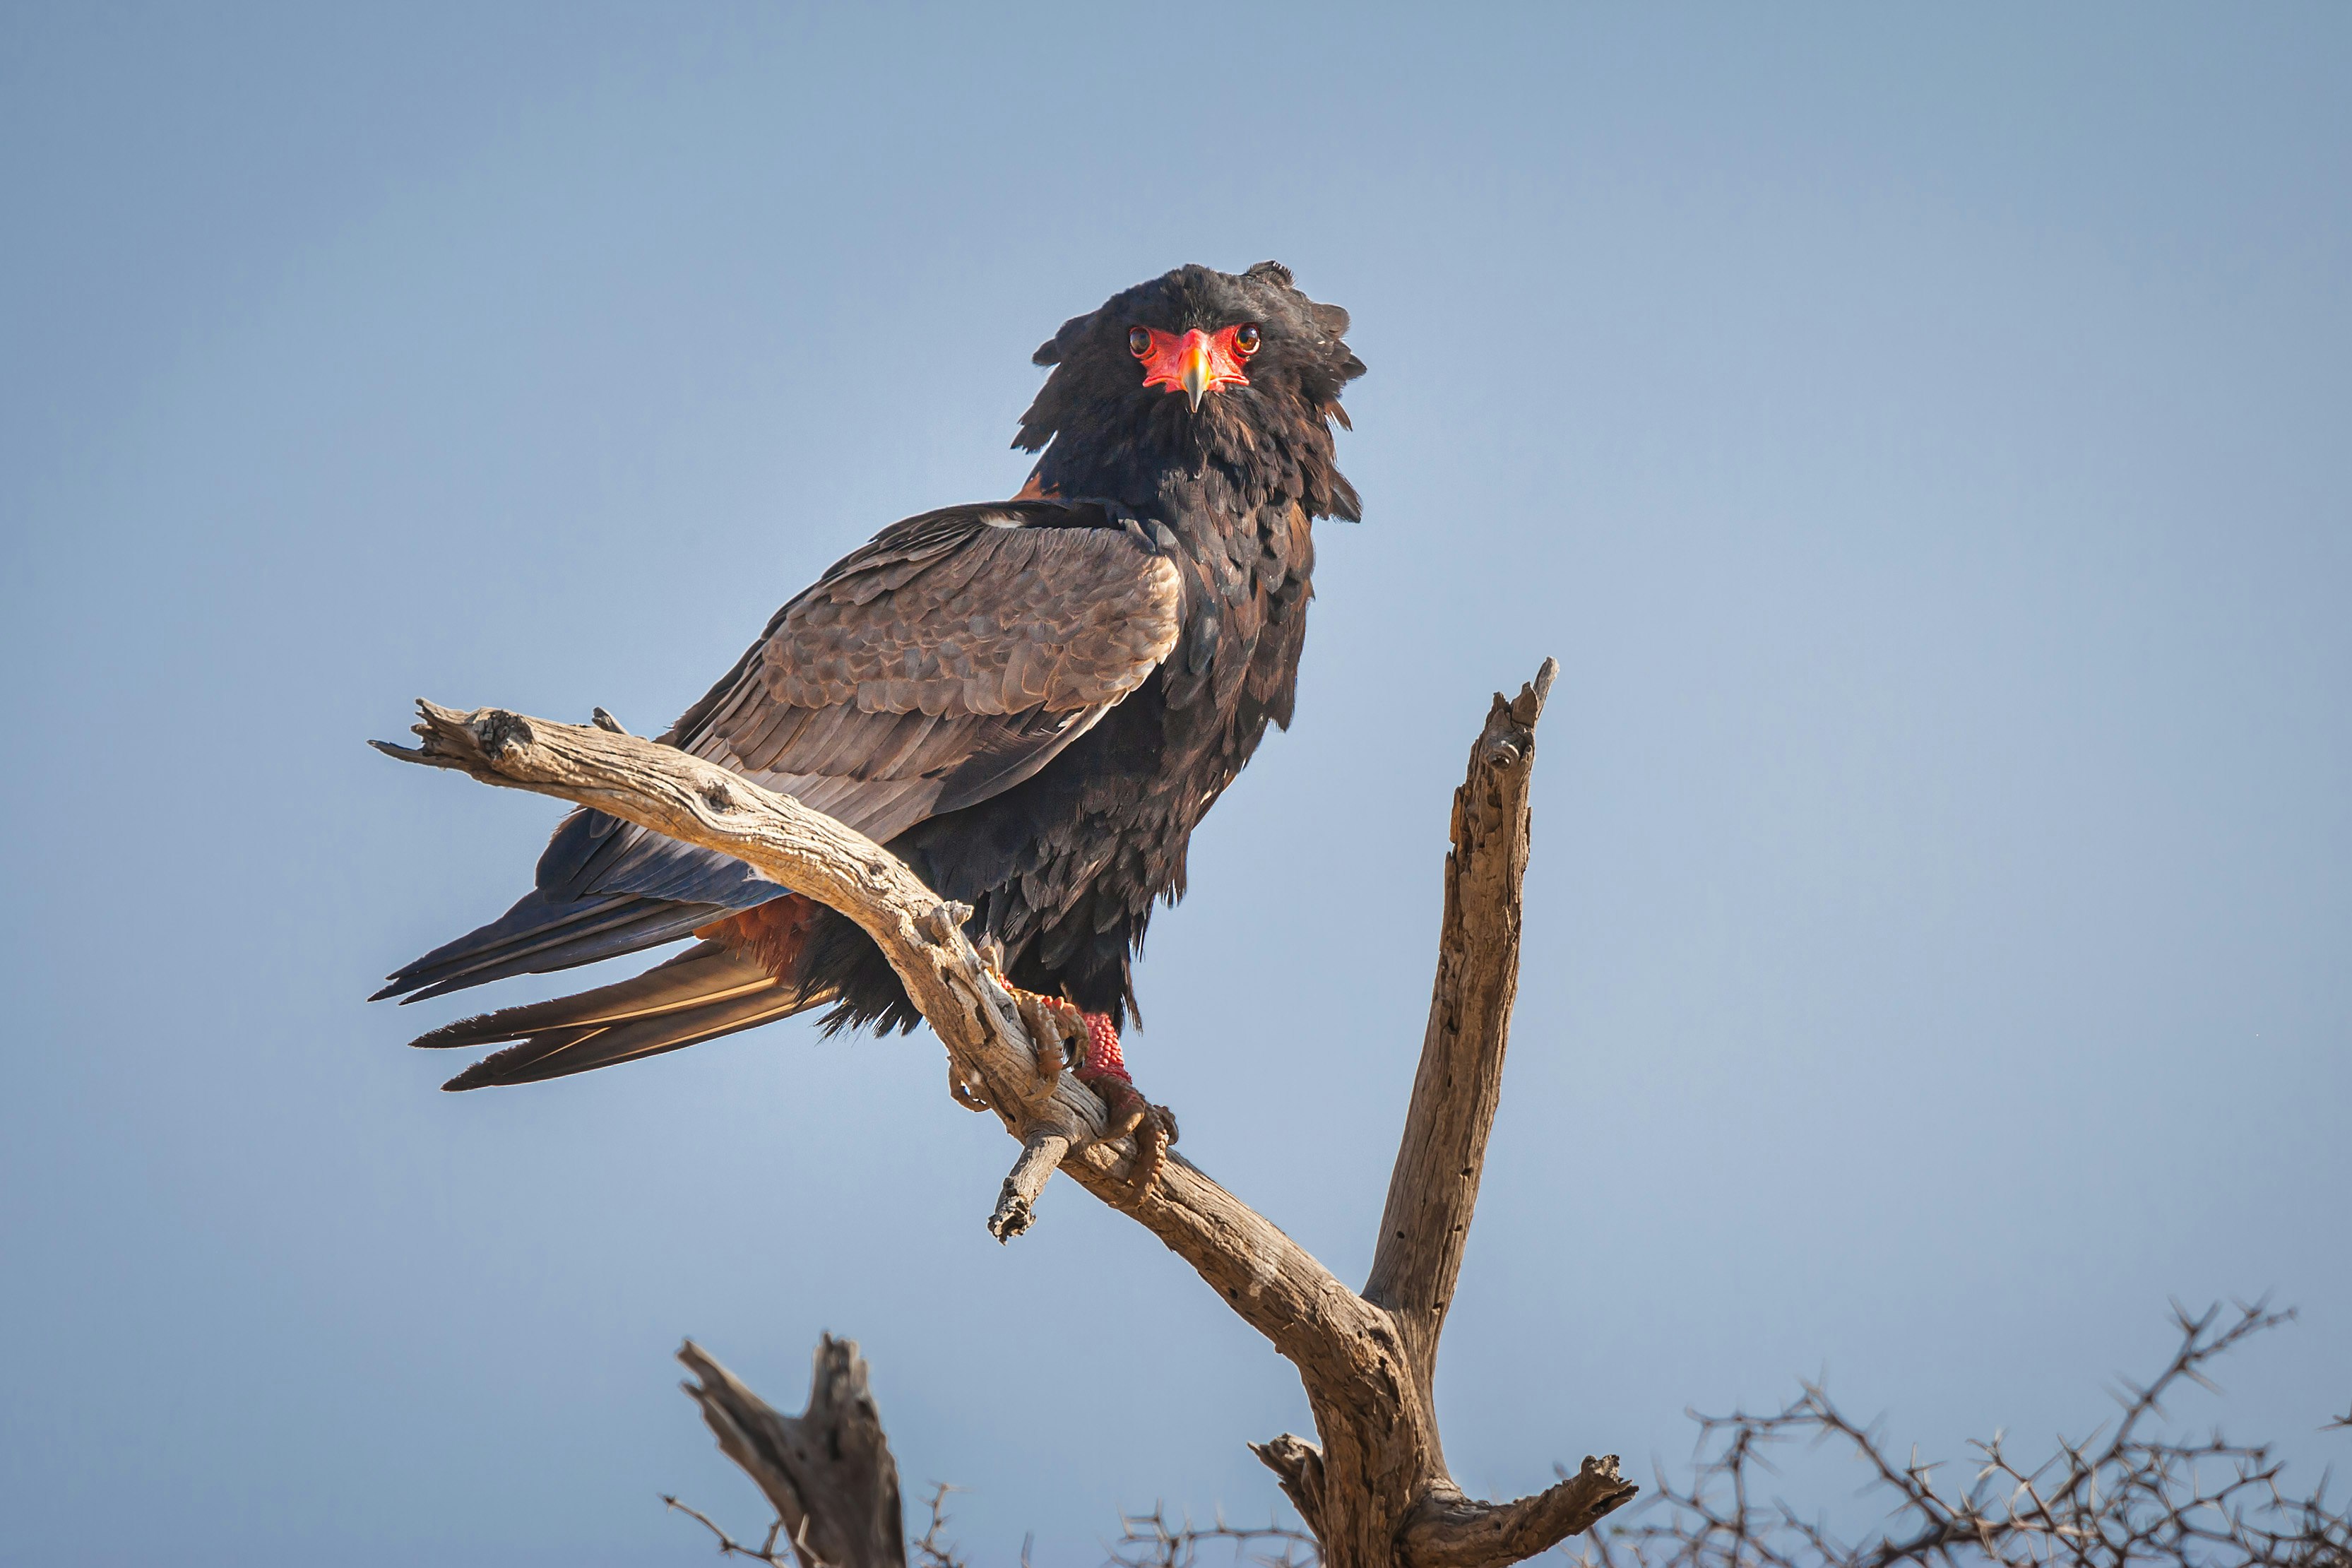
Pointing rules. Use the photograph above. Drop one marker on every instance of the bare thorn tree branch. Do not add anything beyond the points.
(931, 1550)
(727, 1545)
(2118, 1499)
(1150, 1540)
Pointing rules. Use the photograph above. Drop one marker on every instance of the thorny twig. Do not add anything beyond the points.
(2116, 1499)
(1146, 1541)
(930, 1551)
(1149, 1541)
(727, 1545)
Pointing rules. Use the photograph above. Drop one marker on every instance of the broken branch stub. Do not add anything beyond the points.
(828, 1471)
(1434, 1189)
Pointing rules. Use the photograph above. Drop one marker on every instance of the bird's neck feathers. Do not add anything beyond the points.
(1237, 454)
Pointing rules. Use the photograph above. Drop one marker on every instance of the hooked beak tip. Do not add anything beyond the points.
(1196, 374)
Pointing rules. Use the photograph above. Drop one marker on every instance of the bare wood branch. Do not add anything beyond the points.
(1042, 1152)
(1297, 1467)
(1263, 1274)
(672, 793)
(1456, 1533)
(827, 1471)
(1267, 1278)
(1366, 1368)
(1434, 1189)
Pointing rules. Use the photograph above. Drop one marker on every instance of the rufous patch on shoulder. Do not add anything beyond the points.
(1035, 490)
(773, 934)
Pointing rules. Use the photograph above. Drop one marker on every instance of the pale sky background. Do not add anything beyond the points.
(1924, 438)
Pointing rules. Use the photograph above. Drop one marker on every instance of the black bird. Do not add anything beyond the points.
(1031, 702)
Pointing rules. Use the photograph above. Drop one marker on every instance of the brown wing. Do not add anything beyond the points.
(947, 660)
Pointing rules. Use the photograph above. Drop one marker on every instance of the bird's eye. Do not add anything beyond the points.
(1245, 338)
(1138, 341)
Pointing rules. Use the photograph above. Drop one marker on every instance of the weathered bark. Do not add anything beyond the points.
(1379, 1484)
(827, 1471)
(1434, 1189)
(1376, 1493)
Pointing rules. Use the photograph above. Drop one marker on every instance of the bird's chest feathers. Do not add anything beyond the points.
(1244, 573)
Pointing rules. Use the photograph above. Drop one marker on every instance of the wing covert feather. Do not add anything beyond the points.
(945, 662)
(1012, 618)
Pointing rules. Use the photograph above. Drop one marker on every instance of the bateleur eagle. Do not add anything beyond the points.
(1030, 703)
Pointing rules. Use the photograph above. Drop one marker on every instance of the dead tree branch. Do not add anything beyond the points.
(827, 1471)
(667, 790)
(1376, 1493)
(831, 1475)
(1434, 1187)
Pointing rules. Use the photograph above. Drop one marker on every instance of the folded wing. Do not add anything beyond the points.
(947, 660)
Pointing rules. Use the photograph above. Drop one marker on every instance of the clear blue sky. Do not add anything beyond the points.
(1924, 438)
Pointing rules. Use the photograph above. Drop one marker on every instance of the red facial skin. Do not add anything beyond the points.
(1163, 362)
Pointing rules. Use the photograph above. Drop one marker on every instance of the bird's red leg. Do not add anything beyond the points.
(1050, 1021)
(1104, 1070)
(1101, 1068)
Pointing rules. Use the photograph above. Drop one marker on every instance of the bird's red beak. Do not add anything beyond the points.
(1196, 363)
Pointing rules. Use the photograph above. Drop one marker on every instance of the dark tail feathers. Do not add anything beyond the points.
(708, 991)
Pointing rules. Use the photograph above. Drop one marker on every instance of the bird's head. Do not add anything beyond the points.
(1195, 358)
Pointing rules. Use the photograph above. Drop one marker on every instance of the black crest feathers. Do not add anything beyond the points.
(1097, 404)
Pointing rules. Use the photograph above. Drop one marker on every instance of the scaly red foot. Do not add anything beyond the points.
(1102, 1068)
(1053, 1025)
(1153, 1126)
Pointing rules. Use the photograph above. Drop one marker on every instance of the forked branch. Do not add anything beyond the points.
(1377, 1491)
